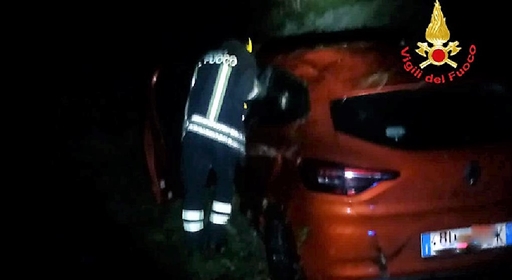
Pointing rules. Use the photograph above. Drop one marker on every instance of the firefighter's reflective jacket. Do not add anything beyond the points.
(223, 80)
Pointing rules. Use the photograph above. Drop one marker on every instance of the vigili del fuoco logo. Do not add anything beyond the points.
(437, 54)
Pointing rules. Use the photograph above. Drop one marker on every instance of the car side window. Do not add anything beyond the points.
(286, 99)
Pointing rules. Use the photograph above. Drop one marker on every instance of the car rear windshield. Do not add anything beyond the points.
(435, 118)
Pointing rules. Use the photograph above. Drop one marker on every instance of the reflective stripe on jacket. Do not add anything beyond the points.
(216, 131)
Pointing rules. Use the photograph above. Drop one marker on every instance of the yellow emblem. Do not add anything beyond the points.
(438, 34)
(249, 45)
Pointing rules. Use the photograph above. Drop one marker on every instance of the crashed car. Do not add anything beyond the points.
(155, 147)
(357, 169)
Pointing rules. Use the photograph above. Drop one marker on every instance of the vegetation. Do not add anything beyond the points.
(111, 165)
(292, 17)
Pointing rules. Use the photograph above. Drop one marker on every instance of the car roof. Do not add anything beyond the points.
(352, 63)
(354, 68)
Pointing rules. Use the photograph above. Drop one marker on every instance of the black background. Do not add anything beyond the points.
(104, 56)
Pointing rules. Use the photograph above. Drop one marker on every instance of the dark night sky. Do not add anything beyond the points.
(110, 52)
(144, 34)
(108, 55)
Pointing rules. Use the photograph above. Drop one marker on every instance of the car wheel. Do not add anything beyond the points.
(282, 257)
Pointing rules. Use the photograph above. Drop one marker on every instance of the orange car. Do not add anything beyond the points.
(155, 149)
(365, 171)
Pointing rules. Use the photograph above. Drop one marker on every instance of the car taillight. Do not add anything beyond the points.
(335, 178)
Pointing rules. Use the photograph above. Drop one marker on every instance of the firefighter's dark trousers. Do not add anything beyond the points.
(199, 156)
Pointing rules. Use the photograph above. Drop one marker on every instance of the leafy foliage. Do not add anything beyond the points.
(116, 171)
(293, 17)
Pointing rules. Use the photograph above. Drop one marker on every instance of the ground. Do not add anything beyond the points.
(119, 224)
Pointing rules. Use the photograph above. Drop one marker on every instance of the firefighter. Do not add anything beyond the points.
(214, 139)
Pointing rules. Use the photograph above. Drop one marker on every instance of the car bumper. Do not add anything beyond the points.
(338, 242)
(501, 271)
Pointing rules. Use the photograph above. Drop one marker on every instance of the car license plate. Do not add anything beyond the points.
(460, 239)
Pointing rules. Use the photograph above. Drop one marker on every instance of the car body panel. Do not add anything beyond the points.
(432, 193)
(154, 146)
